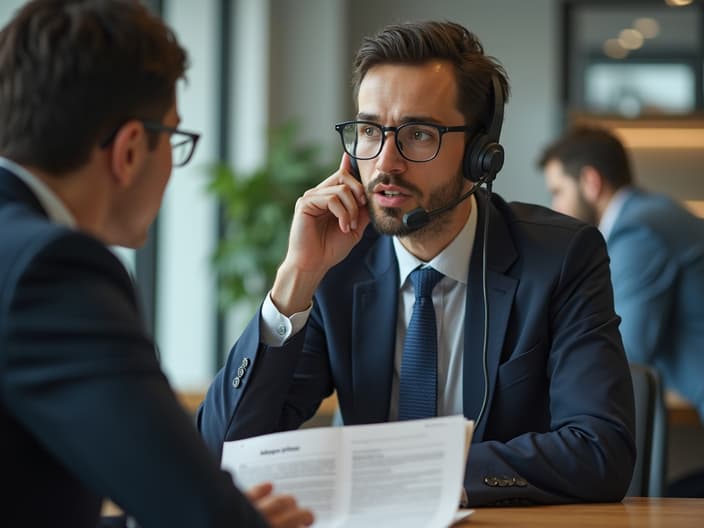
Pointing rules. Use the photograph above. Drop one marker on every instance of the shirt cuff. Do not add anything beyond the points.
(275, 328)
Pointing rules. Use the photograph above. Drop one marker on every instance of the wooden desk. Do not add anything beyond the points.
(190, 400)
(633, 512)
(680, 411)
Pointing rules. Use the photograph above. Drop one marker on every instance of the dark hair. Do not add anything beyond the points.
(591, 146)
(73, 71)
(419, 42)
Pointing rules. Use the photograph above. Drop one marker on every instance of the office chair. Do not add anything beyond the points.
(651, 433)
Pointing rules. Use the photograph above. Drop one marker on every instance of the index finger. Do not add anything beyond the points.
(259, 491)
(346, 163)
(347, 166)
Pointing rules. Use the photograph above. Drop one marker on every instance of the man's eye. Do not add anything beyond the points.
(421, 134)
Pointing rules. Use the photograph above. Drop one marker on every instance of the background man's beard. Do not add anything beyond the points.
(389, 220)
(586, 212)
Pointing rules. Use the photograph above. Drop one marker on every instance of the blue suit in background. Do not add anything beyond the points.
(657, 266)
(558, 425)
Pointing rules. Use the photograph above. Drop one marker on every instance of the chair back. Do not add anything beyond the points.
(651, 433)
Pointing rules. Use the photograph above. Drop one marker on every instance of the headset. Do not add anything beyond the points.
(484, 155)
(483, 158)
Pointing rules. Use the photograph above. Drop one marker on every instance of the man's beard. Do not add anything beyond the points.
(585, 212)
(389, 220)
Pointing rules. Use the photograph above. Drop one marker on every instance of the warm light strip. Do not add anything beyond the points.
(696, 206)
(661, 138)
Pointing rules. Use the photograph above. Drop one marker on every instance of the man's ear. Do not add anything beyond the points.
(128, 152)
(591, 183)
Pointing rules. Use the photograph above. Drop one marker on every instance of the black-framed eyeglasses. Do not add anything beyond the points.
(416, 141)
(183, 142)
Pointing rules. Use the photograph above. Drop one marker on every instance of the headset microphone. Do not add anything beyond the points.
(419, 217)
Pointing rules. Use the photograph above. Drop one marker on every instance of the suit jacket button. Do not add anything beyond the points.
(245, 363)
(521, 482)
(240, 372)
(491, 481)
(236, 382)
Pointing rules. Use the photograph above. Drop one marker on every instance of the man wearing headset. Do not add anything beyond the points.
(550, 389)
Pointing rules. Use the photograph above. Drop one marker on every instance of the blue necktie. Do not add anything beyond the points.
(419, 364)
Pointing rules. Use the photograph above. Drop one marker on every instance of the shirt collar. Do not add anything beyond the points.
(453, 261)
(612, 211)
(52, 204)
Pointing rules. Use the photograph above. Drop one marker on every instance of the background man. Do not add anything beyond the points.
(551, 391)
(656, 248)
(88, 114)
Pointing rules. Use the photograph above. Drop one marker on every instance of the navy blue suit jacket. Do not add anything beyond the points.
(559, 419)
(85, 411)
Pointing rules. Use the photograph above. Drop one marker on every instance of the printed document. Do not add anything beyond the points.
(398, 474)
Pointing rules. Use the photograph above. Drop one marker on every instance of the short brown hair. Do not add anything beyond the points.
(72, 71)
(416, 43)
(592, 146)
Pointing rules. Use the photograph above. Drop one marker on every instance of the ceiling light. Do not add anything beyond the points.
(648, 27)
(613, 49)
(630, 39)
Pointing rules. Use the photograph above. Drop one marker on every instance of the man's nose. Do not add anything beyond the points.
(390, 159)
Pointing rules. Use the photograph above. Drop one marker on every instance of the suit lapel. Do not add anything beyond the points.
(374, 333)
(500, 293)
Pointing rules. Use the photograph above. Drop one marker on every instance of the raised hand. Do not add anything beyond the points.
(328, 221)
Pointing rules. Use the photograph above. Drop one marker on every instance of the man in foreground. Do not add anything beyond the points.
(88, 118)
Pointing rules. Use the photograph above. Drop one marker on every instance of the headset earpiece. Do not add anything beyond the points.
(484, 155)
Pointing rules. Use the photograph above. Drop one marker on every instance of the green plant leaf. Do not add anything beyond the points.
(257, 211)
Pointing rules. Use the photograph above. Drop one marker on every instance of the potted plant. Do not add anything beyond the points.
(257, 210)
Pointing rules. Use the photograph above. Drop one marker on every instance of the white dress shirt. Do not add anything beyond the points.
(608, 219)
(449, 301)
(52, 204)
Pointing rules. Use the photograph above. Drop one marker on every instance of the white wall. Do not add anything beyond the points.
(310, 67)
(186, 303)
(7, 9)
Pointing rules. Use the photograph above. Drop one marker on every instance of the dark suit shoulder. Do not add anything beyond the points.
(529, 214)
(40, 258)
(29, 239)
(545, 228)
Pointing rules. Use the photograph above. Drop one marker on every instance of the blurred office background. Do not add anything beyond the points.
(633, 65)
